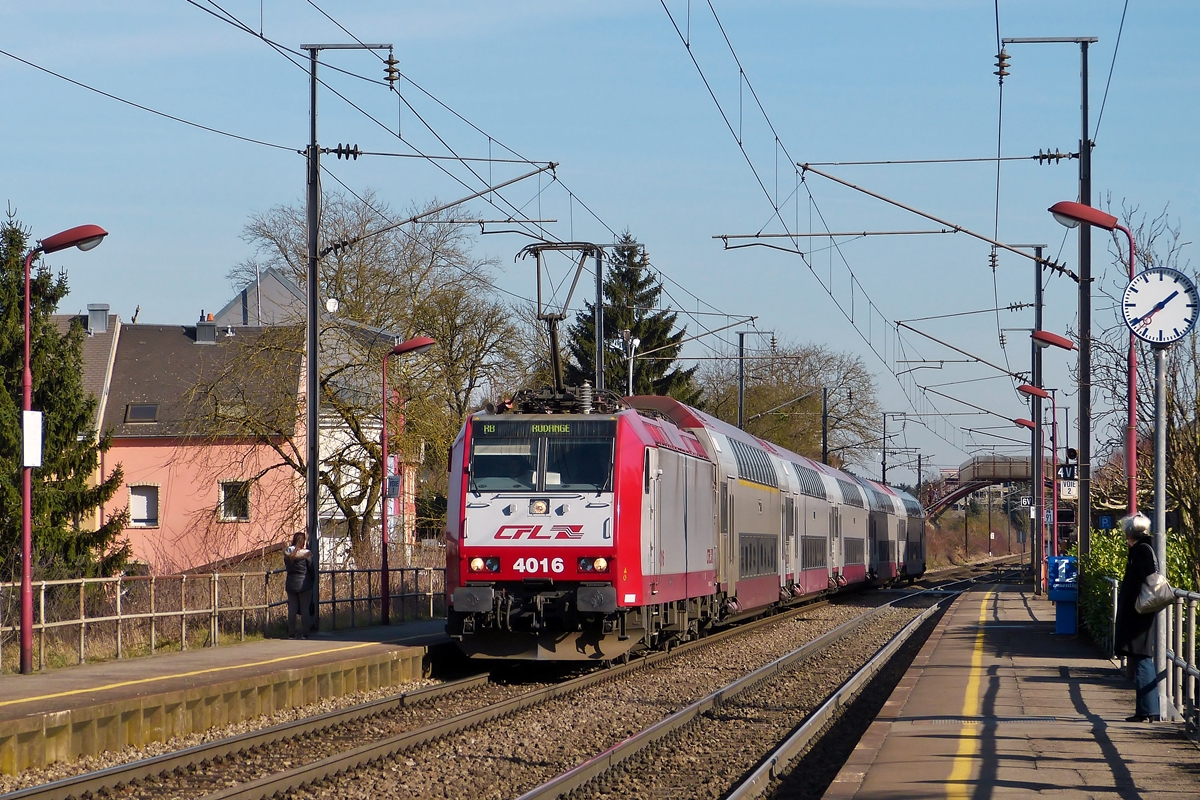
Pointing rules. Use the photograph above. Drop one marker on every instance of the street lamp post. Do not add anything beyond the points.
(1038, 392)
(417, 344)
(1042, 339)
(85, 237)
(631, 346)
(1071, 215)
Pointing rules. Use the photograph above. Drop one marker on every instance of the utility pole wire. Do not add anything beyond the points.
(1049, 264)
(1016, 375)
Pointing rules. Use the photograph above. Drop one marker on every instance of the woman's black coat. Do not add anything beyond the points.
(1135, 632)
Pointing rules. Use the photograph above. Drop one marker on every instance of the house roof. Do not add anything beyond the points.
(98, 351)
(246, 381)
(271, 299)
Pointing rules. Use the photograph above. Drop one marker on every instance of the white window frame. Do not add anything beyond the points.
(157, 519)
(221, 515)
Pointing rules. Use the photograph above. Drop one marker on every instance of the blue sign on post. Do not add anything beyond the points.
(1063, 590)
(1106, 522)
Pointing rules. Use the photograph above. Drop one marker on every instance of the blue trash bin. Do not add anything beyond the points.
(1063, 590)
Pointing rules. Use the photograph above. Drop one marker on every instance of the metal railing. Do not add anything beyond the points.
(1182, 675)
(1109, 641)
(84, 619)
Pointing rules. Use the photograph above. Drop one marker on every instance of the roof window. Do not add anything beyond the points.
(141, 412)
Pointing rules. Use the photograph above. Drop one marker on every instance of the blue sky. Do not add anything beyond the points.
(609, 91)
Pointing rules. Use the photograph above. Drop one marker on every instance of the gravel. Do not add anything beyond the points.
(810, 775)
(506, 757)
(708, 757)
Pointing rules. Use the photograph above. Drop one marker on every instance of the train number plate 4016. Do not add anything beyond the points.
(533, 566)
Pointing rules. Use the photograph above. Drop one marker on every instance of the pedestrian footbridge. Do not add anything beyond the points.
(978, 473)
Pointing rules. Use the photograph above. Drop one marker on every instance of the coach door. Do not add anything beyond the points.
(671, 517)
(650, 515)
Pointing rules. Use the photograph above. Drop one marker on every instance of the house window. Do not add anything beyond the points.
(143, 506)
(141, 412)
(235, 501)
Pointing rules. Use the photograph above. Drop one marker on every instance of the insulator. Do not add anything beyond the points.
(390, 70)
(1001, 65)
(585, 397)
(993, 259)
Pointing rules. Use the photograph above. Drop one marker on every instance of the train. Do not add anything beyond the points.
(581, 530)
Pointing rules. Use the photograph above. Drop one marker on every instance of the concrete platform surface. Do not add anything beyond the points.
(997, 706)
(62, 714)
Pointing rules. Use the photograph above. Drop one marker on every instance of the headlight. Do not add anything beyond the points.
(593, 565)
(492, 564)
(600, 564)
(477, 564)
(539, 507)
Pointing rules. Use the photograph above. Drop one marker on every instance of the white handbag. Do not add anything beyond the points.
(1154, 595)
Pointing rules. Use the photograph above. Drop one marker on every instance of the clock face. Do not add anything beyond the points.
(1160, 305)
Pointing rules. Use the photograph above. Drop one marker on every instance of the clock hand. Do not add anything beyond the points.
(1145, 319)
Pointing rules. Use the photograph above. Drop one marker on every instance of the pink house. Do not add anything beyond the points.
(181, 404)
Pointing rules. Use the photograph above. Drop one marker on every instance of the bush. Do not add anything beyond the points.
(1107, 560)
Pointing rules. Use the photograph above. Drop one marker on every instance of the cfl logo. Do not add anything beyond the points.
(535, 532)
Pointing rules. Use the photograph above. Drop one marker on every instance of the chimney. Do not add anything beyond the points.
(206, 329)
(97, 318)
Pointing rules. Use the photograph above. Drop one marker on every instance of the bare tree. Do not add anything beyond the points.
(1159, 244)
(418, 279)
(787, 372)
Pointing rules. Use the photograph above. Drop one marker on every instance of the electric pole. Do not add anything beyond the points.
(311, 359)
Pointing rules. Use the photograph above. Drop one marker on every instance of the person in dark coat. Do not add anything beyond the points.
(300, 574)
(1135, 632)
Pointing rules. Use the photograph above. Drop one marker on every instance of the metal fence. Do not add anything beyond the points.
(1182, 674)
(94, 619)
(1108, 642)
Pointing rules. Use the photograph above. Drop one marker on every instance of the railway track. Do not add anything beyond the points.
(708, 748)
(358, 736)
(355, 733)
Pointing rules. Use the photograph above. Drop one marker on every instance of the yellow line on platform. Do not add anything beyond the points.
(139, 681)
(964, 759)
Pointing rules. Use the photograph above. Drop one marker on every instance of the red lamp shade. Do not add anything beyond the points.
(1071, 214)
(1024, 423)
(85, 237)
(1030, 389)
(1047, 339)
(418, 344)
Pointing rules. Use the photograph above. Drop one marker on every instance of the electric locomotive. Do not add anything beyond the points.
(583, 528)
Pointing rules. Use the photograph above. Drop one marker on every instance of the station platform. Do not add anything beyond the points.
(995, 705)
(62, 714)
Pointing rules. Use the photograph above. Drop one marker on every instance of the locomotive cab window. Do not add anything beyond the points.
(524, 455)
(581, 464)
(508, 464)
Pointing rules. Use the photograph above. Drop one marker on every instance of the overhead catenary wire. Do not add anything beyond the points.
(1108, 83)
(234, 21)
(847, 307)
(147, 109)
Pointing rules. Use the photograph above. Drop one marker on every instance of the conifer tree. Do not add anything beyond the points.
(64, 499)
(631, 300)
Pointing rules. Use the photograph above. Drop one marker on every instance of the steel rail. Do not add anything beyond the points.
(777, 762)
(305, 774)
(92, 783)
(604, 762)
